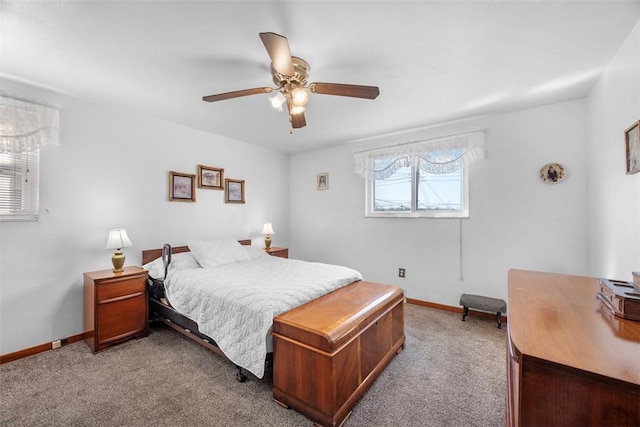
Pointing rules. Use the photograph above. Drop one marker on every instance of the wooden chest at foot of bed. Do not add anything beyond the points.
(328, 351)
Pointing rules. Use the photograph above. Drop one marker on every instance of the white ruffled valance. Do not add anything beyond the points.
(26, 126)
(438, 155)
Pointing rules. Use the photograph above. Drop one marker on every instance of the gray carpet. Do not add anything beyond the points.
(452, 373)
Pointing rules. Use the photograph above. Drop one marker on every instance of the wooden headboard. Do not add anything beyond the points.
(149, 255)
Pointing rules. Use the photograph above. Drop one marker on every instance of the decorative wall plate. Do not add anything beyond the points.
(552, 173)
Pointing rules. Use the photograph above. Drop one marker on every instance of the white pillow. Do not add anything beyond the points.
(181, 261)
(255, 252)
(212, 253)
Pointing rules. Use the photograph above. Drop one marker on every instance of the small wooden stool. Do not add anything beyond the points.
(494, 305)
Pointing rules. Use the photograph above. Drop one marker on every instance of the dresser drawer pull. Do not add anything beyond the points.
(120, 298)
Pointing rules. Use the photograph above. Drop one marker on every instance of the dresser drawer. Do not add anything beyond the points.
(119, 287)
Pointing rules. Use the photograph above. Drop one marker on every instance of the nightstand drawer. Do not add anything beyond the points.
(120, 319)
(119, 287)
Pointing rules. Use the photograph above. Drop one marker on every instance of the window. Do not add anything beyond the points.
(425, 179)
(19, 186)
(25, 126)
(412, 191)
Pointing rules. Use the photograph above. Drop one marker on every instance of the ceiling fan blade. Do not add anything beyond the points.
(278, 48)
(355, 91)
(236, 94)
(298, 120)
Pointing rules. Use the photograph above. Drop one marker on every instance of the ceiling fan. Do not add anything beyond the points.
(290, 75)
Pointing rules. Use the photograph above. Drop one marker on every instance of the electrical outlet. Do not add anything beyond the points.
(56, 344)
(400, 272)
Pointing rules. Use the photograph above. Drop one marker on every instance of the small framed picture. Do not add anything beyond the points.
(632, 144)
(322, 181)
(212, 178)
(234, 191)
(182, 187)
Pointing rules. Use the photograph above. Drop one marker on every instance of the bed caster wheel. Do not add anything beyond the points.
(400, 350)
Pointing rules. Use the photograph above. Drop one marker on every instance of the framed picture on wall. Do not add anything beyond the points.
(632, 145)
(234, 191)
(212, 178)
(322, 181)
(182, 187)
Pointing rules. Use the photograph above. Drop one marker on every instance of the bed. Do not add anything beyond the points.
(225, 294)
(322, 332)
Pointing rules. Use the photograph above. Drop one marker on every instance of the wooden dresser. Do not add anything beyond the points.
(570, 362)
(329, 351)
(115, 306)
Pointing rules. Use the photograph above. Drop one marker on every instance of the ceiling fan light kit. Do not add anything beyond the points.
(290, 75)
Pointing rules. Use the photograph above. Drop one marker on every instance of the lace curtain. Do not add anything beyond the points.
(439, 155)
(26, 126)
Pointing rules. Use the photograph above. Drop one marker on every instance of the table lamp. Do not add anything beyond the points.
(118, 239)
(268, 230)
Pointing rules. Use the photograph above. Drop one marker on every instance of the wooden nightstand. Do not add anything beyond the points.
(276, 251)
(115, 307)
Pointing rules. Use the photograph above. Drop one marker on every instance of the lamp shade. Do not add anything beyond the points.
(267, 229)
(300, 96)
(118, 239)
(277, 101)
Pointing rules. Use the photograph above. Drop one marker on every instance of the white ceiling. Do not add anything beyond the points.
(434, 61)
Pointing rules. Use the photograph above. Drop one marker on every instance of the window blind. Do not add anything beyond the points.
(19, 174)
(25, 127)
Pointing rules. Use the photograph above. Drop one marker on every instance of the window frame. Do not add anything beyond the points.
(414, 212)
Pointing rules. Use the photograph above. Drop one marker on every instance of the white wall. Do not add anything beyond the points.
(516, 221)
(111, 170)
(614, 197)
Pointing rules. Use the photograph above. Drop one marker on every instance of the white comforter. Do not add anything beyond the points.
(235, 303)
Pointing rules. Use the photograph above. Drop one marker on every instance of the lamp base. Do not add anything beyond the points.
(118, 261)
(267, 242)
